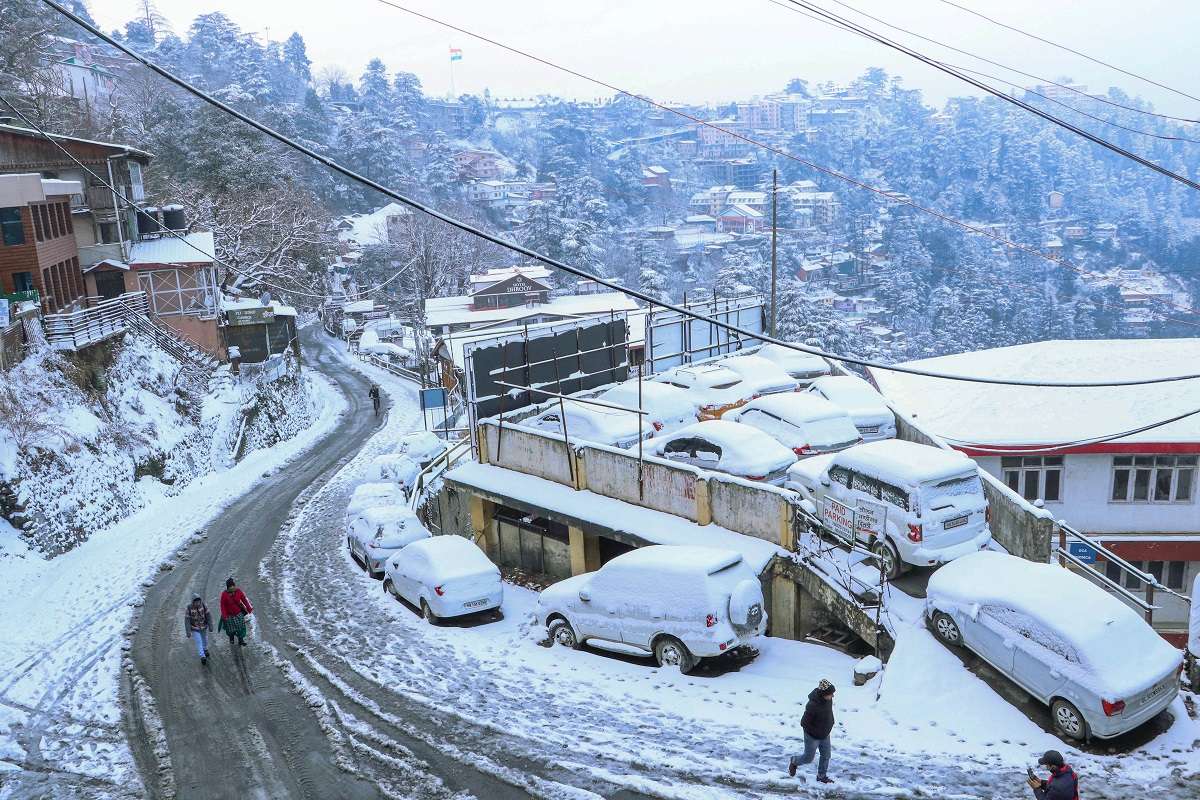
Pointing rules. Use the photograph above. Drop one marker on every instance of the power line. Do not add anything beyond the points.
(1050, 448)
(1069, 50)
(889, 196)
(1099, 140)
(555, 263)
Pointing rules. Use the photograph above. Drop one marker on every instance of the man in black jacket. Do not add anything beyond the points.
(1062, 784)
(817, 724)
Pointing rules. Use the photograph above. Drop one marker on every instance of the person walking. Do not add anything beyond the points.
(374, 395)
(1062, 784)
(817, 724)
(234, 608)
(197, 623)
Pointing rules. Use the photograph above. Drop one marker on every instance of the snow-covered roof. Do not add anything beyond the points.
(976, 413)
(242, 303)
(906, 463)
(367, 229)
(1109, 648)
(761, 373)
(359, 307)
(851, 393)
(795, 407)
(741, 210)
(457, 310)
(493, 276)
(124, 148)
(191, 248)
(793, 362)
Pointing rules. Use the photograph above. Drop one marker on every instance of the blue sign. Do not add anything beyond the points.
(433, 398)
(1083, 551)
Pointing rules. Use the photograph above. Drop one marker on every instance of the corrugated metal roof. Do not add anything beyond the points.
(193, 248)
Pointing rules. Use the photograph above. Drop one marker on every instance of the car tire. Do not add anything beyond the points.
(561, 633)
(390, 588)
(1067, 720)
(428, 614)
(946, 629)
(889, 558)
(670, 652)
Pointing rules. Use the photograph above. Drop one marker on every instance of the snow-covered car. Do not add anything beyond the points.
(911, 504)
(715, 389)
(445, 576)
(870, 412)
(668, 408)
(1070, 644)
(807, 424)
(375, 534)
(761, 375)
(375, 493)
(804, 367)
(677, 603)
(725, 446)
(394, 468)
(421, 446)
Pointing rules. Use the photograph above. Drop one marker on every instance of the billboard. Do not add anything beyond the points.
(673, 339)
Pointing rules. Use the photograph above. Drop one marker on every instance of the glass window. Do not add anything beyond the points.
(1175, 570)
(894, 496)
(865, 484)
(10, 226)
(1141, 484)
(22, 281)
(1034, 477)
(1154, 479)
(1130, 581)
(841, 475)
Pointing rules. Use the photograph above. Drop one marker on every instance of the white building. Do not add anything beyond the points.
(1136, 493)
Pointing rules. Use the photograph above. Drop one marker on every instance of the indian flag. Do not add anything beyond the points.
(456, 54)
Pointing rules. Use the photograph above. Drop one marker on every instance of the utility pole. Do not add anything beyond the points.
(774, 245)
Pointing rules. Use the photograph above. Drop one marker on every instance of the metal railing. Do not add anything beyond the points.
(451, 456)
(75, 330)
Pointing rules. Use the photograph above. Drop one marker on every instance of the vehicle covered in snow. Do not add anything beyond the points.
(374, 493)
(725, 446)
(376, 533)
(804, 367)
(445, 576)
(421, 446)
(806, 424)
(677, 603)
(394, 468)
(867, 407)
(761, 375)
(911, 504)
(714, 388)
(1067, 642)
(667, 408)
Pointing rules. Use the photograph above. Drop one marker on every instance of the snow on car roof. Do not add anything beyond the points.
(725, 434)
(905, 463)
(705, 376)
(762, 372)
(794, 407)
(653, 394)
(1002, 415)
(382, 515)
(791, 359)
(679, 558)
(1121, 654)
(744, 450)
(450, 556)
(851, 392)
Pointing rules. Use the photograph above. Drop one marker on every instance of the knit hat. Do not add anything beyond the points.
(1052, 758)
(825, 687)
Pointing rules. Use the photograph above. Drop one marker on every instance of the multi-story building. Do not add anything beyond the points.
(38, 254)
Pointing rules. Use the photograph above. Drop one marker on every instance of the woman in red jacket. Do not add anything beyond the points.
(234, 608)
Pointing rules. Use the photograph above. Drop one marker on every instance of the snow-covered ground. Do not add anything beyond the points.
(926, 727)
(62, 630)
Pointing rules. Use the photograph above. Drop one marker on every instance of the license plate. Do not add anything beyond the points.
(476, 603)
(869, 429)
(956, 522)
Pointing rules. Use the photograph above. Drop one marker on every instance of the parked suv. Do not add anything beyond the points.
(1070, 644)
(677, 603)
(911, 504)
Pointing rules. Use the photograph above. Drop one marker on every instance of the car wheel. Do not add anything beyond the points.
(1068, 722)
(562, 633)
(670, 652)
(946, 629)
(390, 588)
(427, 613)
(889, 559)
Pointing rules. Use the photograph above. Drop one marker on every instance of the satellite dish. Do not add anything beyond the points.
(265, 298)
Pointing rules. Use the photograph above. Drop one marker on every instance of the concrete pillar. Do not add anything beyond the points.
(483, 528)
(585, 551)
(782, 620)
(703, 503)
(787, 535)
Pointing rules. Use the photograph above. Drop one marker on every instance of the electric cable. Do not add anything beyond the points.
(1051, 448)
(559, 265)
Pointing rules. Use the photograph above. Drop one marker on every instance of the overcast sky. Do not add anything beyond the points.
(717, 51)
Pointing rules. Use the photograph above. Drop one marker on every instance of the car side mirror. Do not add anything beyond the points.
(585, 595)
(824, 480)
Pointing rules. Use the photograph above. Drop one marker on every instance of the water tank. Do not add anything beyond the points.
(172, 218)
(147, 221)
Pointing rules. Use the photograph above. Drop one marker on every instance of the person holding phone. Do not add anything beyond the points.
(1062, 784)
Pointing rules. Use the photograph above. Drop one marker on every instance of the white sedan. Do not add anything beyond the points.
(715, 389)
(761, 375)
(375, 493)
(867, 407)
(446, 576)
(804, 367)
(807, 424)
(376, 533)
(725, 446)
(668, 408)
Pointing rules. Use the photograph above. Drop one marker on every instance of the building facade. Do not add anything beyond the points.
(38, 252)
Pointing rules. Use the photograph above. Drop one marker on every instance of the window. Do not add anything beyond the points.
(865, 485)
(22, 281)
(1169, 573)
(841, 475)
(10, 226)
(1034, 477)
(893, 495)
(1153, 479)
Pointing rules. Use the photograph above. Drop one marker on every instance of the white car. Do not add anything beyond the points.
(668, 408)
(375, 534)
(421, 446)
(867, 407)
(677, 603)
(445, 576)
(909, 503)
(760, 374)
(374, 493)
(725, 446)
(714, 388)
(804, 367)
(807, 424)
(1067, 642)
(394, 468)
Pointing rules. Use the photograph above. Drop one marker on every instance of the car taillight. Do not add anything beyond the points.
(755, 397)
(710, 620)
(914, 533)
(987, 513)
(1112, 709)
(756, 477)
(803, 451)
(658, 426)
(440, 591)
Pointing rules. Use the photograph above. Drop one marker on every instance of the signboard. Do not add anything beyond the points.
(869, 518)
(250, 316)
(1083, 551)
(433, 398)
(838, 518)
(4, 315)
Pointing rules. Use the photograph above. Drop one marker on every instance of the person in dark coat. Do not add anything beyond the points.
(234, 608)
(197, 623)
(817, 724)
(1062, 784)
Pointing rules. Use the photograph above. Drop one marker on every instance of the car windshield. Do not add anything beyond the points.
(831, 432)
(941, 493)
(726, 385)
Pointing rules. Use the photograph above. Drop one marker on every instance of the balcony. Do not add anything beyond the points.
(95, 253)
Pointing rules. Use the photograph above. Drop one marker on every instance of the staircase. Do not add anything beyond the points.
(194, 361)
